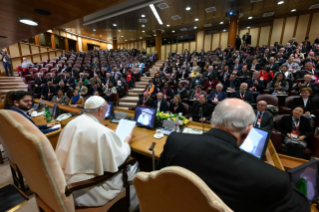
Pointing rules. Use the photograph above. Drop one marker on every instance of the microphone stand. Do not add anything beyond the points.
(201, 115)
(153, 154)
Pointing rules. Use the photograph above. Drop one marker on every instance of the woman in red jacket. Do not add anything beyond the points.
(210, 83)
(266, 75)
(129, 80)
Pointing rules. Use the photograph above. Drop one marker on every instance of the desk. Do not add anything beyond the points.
(61, 107)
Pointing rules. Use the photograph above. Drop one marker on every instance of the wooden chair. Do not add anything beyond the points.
(175, 189)
(33, 153)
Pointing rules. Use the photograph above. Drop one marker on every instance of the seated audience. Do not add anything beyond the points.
(236, 67)
(95, 87)
(65, 89)
(108, 91)
(146, 100)
(196, 81)
(210, 83)
(25, 65)
(243, 94)
(177, 106)
(108, 79)
(82, 89)
(232, 84)
(309, 105)
(278, 84)
(217, 96)
(308, 82)
(167, 91)
(245, 73)
(82, 78)
(38, 81)
(264, 119)
(181, 91)
(151, 88)
(296, 132)
(200, 110)
(231, 124)
(194, 73)
(255, 85)
(48, 91)
(76, 100)
(292, 66)
(288, 75)
(196, 93)
(96, 79)
(60, 98)
(266, 75)
(69, 80)
(160, 104)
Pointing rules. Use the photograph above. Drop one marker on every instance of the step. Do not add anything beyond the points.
(10, 87)
(127, 104)
(137, 90)
(142, 83)
(11, 83)
(123, 108)
(130, 93)
(129, 99)
(10, 78)
(140, 86)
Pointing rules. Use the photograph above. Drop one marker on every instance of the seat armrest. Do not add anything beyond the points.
(97, 180)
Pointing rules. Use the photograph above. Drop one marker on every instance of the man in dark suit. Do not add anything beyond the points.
(243, 94)
(217, 96)
(200, 109)
(274, 67)
(196, 81)
(254, 66)
(255, 84)
(237, 177)
(264, 119)
(307, 83)
(22, 103)
(38, 81)
(145, 100)
(64, 54)
(160, 104)
(232, 83)
(305, 101)
(63, 87)
(48, 91)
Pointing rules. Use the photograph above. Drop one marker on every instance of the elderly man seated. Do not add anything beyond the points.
(255, 85)
(264, 119)
(25, 65)
(217, 96)
(201, 110)
(84, 80)
(82, 89)
(160, 104)
(243, 94)
(96, 79)
(86, 149)
(146, 100)
(308, 82)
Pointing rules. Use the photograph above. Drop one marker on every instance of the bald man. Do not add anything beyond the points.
(242, 181)
(243, 94)
(264, 119)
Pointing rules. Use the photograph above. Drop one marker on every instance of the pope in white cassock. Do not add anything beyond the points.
(86, 149)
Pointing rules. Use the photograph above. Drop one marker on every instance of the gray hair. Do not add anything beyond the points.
(236, 117)
(256, 72)
(219, 84)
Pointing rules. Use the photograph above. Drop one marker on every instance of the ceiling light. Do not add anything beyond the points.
(140, 37)
(94, 30)
(173, 31)
(143, 31)
(195, 27)
(248, 27)
(67, 29)
(293, 10)
(100, 35)
(250, 17)
(224, 30)
(125, 40)
(165, 39)
(221, 22)
(154, 34)
(114, 24)
(280, 2)
(122, 36)
(143, 25)
(119, 30)
(196, 19)
(143, 16)
(28, 22)
(167, 25)
(159, 20)
(188, 8)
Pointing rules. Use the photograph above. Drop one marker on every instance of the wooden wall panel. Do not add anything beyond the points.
(152, 49)
(29, 58)
(74, 37)
(43, 49)
(276, 30)
(52, 55)
(180, 48)
(192, 46)
(2, 70)
(163, 53)
(14, 50)
(200, 40)
(215, 41)
(63, 33)
(25, 49)
(224, 40)
(289, 29)
(15, 62)
(302, 27)
(80, 44)
(36, 58)
(68, 35)
(34, 49)
(264, 35)
(314, 31)
(254, 36)
(55, 31)
(173, 47)
(208, 43)
(143, 44)
(186, 46)
(44, 56)
(148, 50)
(58, 53)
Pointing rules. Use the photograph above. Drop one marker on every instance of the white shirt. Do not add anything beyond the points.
(305, 101)
(158, 105)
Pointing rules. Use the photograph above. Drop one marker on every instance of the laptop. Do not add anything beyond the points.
(256, 142)
(168, 127)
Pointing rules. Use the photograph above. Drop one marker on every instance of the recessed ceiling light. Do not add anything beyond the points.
(94, 30)
(195, 27)
(167, 25)
(248, 27)
(188, 8)
(165, 39)
(250, 17)
(122, 36)
(280, 2)
(143, 16)
(140, 37)
(293, 10)
(143, 31)
(154, 34)
(159, 20)
(173, 31)
(100, 35)
(221, 22)
(125, 40)
(66, 29)
(28, 22)
(143, 25)
(114, 25)
(196, 19)
(224, 30)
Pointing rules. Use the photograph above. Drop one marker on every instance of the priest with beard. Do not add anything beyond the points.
(86, 149)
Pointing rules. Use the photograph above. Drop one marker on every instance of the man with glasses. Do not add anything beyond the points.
(264, 119)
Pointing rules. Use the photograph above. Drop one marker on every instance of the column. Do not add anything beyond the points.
(114, 44)
(232, 31)
(37, 40)
(66, 43)
(53, 41)
(158, 43)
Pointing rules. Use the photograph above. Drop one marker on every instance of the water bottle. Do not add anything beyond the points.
(177, 129)
(48, 114)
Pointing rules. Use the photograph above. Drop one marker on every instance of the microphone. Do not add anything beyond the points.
(153, 154)
(201, 116)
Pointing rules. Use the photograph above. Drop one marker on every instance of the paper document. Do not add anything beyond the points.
(125, 128)
(57, 126)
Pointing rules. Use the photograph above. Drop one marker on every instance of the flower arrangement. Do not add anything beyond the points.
(182, 120)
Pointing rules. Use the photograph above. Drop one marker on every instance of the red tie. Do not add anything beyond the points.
(242, 96)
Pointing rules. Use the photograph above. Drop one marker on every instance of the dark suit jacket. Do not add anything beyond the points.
(179, 109)
(248, 96)
(274, 68)
(179, 76)
(227, 84)
(169, 92)
(311, 105)
(222, 95)
(257, 67)
(43, 128)
(148, 103)
(163, 106)
(267, 121)
(259, 87)
(284, 125)
(195, 111)
(39, 81)
(312, 85)
(243, 182)
(45, 91)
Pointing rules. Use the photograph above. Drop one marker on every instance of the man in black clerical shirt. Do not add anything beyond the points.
(201, 110)
(242, 181)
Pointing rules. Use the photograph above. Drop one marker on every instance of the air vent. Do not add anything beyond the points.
(176, 17)
(253, 1)
(148, 36)
(183, 29)
(108, 30)
(162, 6)
(210, 9)
(315, 6)
(143, 20)
(268, 14)
(207, 25)
(240, 15)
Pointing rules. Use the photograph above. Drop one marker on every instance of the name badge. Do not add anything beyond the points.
(294, 134)
(290, 68)
(262, 78)
(258, 122)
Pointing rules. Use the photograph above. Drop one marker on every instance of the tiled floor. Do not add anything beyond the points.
(5, 178)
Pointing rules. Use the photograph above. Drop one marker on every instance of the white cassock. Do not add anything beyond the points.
(87, 149)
